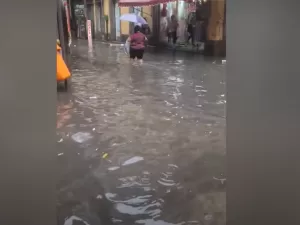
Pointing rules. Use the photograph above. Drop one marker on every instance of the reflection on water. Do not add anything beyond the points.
(141, 144)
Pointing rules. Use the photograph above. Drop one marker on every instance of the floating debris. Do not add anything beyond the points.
(113, 168)
(99, 197)
(81, 137)
(133, 160)
(208, 217)
(222, 180)
(104, 155)
(173, 166)
(72, 219)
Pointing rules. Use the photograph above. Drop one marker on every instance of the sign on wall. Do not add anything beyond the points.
(89, 32)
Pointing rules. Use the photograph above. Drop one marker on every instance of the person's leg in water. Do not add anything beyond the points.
(189, 30)
(169, 35)
(174, 38)
(189, 38)
(140, 55)
(132, 53)
(193, 36)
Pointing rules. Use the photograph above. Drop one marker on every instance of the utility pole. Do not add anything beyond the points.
(85, 17)
(95, 18)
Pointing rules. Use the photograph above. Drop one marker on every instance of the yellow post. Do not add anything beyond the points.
(124, 25)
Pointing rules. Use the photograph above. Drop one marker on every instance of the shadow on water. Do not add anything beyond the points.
(141, 144)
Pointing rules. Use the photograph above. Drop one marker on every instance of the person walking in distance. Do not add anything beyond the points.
(191, 24)
(173, 29)
(145, 29)
(137, 44)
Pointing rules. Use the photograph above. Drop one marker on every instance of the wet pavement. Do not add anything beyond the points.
(141, 144)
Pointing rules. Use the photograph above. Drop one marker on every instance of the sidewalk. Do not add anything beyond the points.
(164, 46)
(182, 47)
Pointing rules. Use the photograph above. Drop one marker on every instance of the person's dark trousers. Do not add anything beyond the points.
(174, 37)
(169, 35)
(191, 34)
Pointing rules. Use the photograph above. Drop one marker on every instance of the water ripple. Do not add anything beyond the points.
(161, 129)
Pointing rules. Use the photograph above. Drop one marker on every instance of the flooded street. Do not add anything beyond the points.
(141, 144)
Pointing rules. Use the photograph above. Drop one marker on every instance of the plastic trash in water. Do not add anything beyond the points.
(72, 219)
(93, 97)
(224, 61)
(113, 168)
(104, 155)
(208, 217)
(222, 180)
(115, 44)
(81, 137)
(99, 197)
(133, 160)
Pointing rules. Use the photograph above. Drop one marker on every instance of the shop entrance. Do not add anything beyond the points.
(201, 23)
(191, 30)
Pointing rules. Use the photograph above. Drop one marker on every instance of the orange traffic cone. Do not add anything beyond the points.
(62, 71)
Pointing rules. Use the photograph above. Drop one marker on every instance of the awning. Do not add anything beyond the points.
(132, 3)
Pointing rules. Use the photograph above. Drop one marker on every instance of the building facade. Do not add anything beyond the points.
(62, 31)
(105, 14)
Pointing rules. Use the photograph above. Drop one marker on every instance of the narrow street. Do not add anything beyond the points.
(141, 144)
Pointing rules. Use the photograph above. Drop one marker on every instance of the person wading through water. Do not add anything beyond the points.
(191, 25)
(172, 29)
(137, 44)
